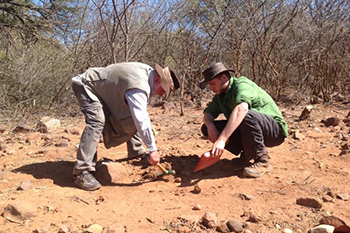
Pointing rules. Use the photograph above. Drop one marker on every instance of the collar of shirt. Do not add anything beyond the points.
(225, 94)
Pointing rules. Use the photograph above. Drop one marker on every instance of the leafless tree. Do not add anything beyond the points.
(286, 46)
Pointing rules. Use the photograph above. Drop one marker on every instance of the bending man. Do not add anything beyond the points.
(114, 100)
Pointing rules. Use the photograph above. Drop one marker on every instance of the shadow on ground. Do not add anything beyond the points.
(60, 172)
(184, 167)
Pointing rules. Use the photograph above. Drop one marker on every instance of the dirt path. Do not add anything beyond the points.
(306, 167)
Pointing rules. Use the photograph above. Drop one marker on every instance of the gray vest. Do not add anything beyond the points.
(108, 85)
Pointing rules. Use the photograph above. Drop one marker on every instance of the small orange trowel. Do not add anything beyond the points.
(206, 160)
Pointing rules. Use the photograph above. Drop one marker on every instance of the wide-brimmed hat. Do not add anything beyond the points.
(211, 72)
(168, 79)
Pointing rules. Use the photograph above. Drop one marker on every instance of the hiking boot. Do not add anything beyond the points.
(257, 169)
(85, 180)
(240, 163)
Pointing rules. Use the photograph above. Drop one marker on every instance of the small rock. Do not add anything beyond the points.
(25, 185)
(209, 220)
(110, 172)
(116, 228)
(44, 229)
(94, 228)
(245, 197)
(252, 217)
(197, 189)
(235, 226)
(62, 143)
(333, 221)
(331, 121)
(298, 135)
(48, 124)
(330, 193)
(345, 148)
(222, 227)
(310, 202)
(346, 120)
(327, 198)
(197, 207)
(343, 196)
(255, 218)
(22, 128)
(63, 229)
(178, 180)
(20, 211)
(11, 152)
(286, 230)
(322, 229)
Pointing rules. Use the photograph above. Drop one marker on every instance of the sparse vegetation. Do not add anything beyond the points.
(294, 49)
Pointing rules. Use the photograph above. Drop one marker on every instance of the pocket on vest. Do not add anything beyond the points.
(117, 131)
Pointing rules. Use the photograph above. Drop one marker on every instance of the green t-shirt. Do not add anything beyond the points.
(244, 90)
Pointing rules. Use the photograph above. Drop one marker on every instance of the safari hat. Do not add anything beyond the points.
(168, 79)
(211, 72)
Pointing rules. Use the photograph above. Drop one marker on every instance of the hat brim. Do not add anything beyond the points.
(168, 79)
(164, 81)
(204, 83)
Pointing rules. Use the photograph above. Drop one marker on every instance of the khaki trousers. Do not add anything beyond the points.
(95, 121)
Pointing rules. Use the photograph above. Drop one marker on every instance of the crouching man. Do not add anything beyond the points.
(253, 120)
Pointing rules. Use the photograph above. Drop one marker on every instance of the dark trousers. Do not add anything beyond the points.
(256, 132)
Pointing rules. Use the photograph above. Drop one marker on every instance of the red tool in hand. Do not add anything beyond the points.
(206, 160)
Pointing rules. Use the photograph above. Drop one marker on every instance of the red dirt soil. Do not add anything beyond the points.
(310, 166)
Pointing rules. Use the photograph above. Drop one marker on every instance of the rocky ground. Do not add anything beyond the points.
(308, 184)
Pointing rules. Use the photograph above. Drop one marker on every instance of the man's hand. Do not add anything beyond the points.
(153, 158)
(218, 148)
